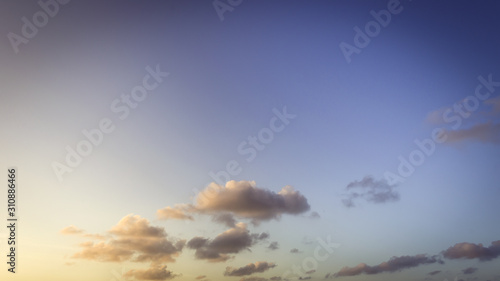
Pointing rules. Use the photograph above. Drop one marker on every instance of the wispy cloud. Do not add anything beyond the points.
(179, 211)
(485, 132)
(71, 230)
(371, 190)
(152, 273)
(273, 246)
(434, 272)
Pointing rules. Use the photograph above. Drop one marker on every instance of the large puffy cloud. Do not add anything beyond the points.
(242, 199)
(434, 272)
(231, 241)
(133, 238)
(179, 211)
(70, 230)
(469, 270)
(392, 265)
(472, 251)
(249, 269)
(152, 273)
(371, 190)
(246, 200)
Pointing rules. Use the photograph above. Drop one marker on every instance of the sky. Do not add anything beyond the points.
(250, 140)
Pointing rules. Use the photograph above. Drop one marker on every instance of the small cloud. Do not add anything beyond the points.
(310, 271)
(152, 273)
(294, 251)
(434, 272)
(71, 230)
(370, 189)
(314, 215)
(469, 270)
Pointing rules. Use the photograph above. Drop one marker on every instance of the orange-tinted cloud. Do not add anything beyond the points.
(249, 269)
(71, 230)
(133, 238)
(231, 241)
(152, 273)
(179, 212)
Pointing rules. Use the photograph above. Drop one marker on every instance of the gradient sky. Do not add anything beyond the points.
(137, 207)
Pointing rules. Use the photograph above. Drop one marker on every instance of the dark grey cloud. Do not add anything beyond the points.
(231, 241)
(249, 269)
(371, 190)
(434, 272)
(392, 265)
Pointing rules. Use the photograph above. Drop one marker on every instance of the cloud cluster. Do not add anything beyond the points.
(392, 265)
(473, 251)
(242, 199)
(371, 190)
(133, 238)
(463, 250)
(249, 269)
(231, 241)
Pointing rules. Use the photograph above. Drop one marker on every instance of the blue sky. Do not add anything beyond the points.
(329, 128)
